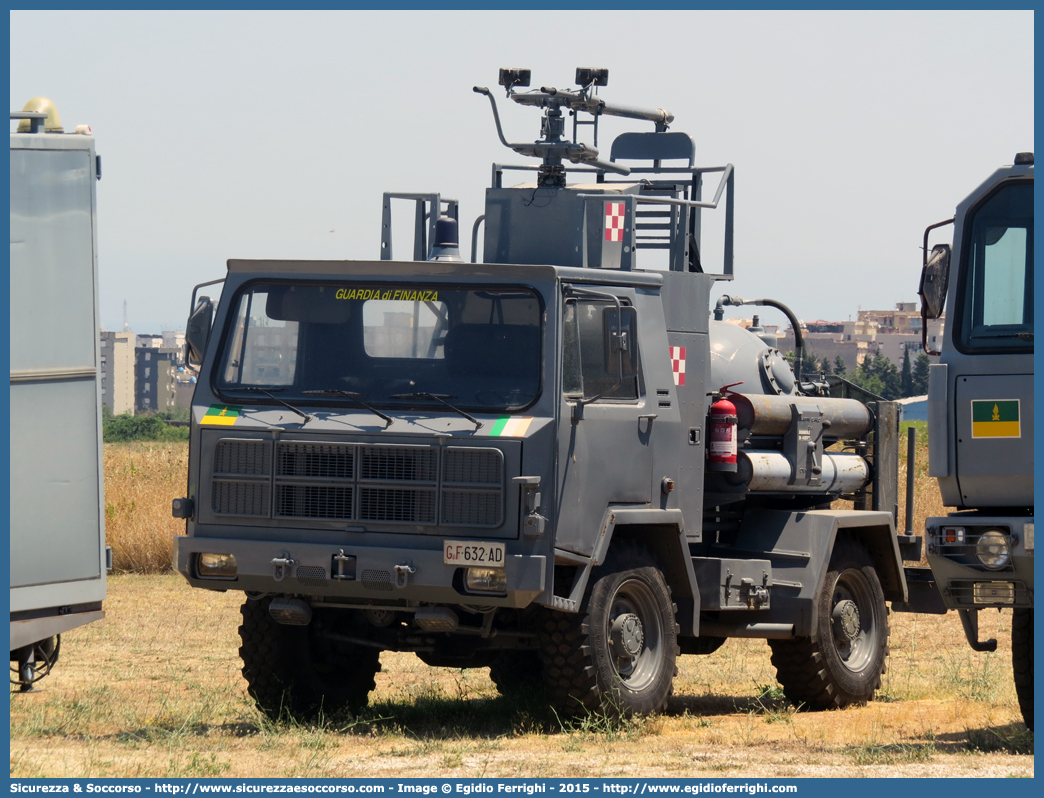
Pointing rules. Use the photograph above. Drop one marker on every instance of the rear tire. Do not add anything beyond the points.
(1022, 661)
(842, 663)
(618, 654)
(297, 670)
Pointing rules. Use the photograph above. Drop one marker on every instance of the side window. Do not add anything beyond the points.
(598, 346)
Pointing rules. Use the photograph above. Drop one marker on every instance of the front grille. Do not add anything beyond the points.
(314, 501)
(399, 463)
(421, 485)
(471, 507)
(397, 504)
(240, 498)
(242, 457)
(474, 466)
(311, 575)
(334, 461)
(376, 580)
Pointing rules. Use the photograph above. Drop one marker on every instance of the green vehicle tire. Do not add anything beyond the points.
(618, 655)
(300, 672)
(1022, 660)
(517, 673)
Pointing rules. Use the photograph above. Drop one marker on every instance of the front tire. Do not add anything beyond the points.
(618, 654)
(1022, 661)
(517, 673)
(298, 670)
(842, 663)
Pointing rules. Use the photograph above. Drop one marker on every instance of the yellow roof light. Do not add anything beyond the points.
(41, 105)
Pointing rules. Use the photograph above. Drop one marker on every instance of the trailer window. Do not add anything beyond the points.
(996, 292)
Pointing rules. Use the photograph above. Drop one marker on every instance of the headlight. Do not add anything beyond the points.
(993, 549)
(486, 580)
(217, 566)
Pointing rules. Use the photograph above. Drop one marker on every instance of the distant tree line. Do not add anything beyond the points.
(146, 427)
(877, 374)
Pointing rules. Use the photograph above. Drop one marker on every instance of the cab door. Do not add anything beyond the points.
(604, 456)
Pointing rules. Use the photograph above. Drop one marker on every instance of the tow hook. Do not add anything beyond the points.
(282, 565)
(402, 573)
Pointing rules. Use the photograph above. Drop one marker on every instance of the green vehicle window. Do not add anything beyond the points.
(996, 296)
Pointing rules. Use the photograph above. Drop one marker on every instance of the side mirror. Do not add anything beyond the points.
(197, 330)
(935, 277)
(619, 328)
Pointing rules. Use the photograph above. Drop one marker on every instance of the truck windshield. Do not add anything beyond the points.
(480, 346)
(996, 295)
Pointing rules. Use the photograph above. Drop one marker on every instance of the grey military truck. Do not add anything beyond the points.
(980, 412)
(503, 463)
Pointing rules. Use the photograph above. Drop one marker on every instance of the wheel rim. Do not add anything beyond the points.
(634, 630)
(852, 624)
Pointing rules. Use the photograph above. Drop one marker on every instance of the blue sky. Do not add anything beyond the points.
(273, 134)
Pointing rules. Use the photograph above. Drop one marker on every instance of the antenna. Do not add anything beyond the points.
(126, 326)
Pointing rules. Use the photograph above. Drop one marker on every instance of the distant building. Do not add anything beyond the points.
(148, 341)
(820, 326)
(175, 339)
(905, 318)
(155, 373)
(183, 391)
(117, 370)
(890, 332)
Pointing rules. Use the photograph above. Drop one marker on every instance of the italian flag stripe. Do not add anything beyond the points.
(511, 426)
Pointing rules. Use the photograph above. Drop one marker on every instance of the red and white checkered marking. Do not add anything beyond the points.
(678, 364)
(614, 221)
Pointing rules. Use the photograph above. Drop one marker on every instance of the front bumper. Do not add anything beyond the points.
(373, 577)
(964, 584)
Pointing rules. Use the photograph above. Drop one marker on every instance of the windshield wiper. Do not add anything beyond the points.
(438, 397)
(355, 397)
(268, 393)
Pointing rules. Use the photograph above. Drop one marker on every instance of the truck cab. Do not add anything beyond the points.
(504, 463)
(980, 408)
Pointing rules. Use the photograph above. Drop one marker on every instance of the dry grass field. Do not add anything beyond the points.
(154, 690)
(141, 479)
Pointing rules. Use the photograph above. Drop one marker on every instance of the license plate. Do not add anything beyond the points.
(469, 552)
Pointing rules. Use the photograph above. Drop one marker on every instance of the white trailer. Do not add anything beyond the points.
(58, 552)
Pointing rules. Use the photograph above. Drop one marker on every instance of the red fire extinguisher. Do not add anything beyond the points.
(721, 447)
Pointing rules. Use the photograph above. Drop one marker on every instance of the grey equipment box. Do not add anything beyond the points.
(58, 553)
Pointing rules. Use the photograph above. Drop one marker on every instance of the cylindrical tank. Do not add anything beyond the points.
(772, 415)
(737, 355)
(770, 471)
